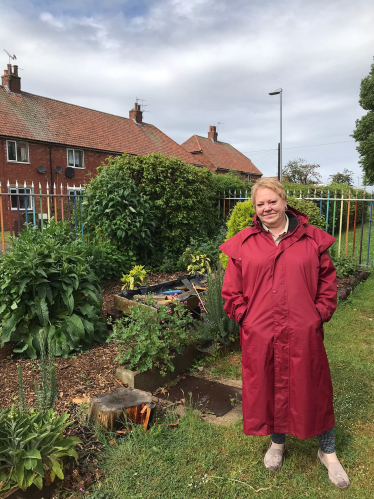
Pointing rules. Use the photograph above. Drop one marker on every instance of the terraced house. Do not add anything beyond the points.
(45, 140)
(220, 157)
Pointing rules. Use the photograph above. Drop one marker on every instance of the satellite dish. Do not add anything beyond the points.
(69, 172)
(42, 169)
(58, 169)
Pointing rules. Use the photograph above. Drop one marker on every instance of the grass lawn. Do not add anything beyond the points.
(200, 460)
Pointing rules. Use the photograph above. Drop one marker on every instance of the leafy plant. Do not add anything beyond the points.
(299, 172)
(32, 447)
(47, 284)
(241, 218)
(149, 339)
(216, 325)
(309, 209)
(116, 209)
(209, 246)
(181, 209)
(345, 266)
(47, 391)
(105, 258)
(195, 262)
(134, 278)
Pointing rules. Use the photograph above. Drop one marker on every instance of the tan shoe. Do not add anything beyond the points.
(337, 475)
(274, 458)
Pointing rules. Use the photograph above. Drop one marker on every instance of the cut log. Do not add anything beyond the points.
(112, 409)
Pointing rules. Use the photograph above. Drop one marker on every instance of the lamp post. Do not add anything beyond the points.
(276, 92)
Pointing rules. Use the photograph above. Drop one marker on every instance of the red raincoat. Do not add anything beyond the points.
(281, 296)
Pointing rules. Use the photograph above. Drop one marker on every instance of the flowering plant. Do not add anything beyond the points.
(151, 338)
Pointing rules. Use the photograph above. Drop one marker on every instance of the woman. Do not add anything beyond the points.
(280, 286)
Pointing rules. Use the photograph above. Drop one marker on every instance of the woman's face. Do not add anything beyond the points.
(270, 207)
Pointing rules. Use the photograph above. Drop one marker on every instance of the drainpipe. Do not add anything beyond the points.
(50, 164)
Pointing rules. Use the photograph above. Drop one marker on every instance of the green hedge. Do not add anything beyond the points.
(296, 189)
(182, 197)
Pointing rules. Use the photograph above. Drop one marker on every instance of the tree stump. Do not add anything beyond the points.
(110, 409)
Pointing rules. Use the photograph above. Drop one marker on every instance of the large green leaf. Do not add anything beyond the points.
(42, 311)
(10, 325)
(75, 325)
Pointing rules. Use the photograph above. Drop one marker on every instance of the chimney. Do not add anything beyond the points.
(136, 114)
(212, 134)
(11, 80)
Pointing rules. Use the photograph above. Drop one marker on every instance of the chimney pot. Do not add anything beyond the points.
(212, 134)
(11, 79)
(136, 114)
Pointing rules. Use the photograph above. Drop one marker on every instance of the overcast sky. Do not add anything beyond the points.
(198, 62)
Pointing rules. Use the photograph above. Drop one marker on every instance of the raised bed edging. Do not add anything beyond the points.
(354, 281)
(152, 379)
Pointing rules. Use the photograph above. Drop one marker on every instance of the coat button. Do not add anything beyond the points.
(274, 291)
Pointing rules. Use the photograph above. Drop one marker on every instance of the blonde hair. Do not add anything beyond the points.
(268, 183)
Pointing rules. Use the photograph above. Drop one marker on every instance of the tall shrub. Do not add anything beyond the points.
(181, 194)
(116, 210)
(47, 284)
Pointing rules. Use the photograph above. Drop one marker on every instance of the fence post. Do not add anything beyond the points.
(18, 208)
(341, 222)
(370, 215)
(10, 209)
(354, 225)
(327, 209)
(33, 203)
(41, 208)
(2, 222)
(333, 215)
(362, 228)
(26, 207)
(55, 200)
(348, 211)
(62, 203)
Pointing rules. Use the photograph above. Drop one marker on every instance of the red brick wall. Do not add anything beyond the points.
(39, 154)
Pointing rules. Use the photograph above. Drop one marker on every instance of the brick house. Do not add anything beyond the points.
(220, 157)
(45, 140)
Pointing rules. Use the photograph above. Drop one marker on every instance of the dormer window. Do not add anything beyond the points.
(75, 158)
(17, 151)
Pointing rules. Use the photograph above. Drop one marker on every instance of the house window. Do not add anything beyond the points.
(21, 196)
(17, 151)
(78, 193)
(75, 158)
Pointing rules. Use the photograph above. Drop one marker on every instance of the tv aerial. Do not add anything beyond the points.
(13, 57)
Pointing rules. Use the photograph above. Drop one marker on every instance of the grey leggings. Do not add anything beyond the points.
(326, 440)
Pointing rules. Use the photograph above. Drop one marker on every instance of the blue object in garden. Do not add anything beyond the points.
(172, 292)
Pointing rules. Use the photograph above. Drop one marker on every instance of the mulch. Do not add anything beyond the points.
(83, 375)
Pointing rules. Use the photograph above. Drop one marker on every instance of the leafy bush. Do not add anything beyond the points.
(230, 182)
(182, 195)
(150, 339)
(116, 210)
(32, 447)
(345, 266)
(47, 284)
(105, 259)
(309, 209)
(216, 325)
(195, 262)
(241, 218)
(134, 278)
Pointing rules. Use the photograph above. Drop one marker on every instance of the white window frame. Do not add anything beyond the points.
(78, 191)
(16, 160)
(14, 191)
(67, 158)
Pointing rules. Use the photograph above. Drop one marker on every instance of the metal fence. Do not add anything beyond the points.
(347, 217)
(37, 205)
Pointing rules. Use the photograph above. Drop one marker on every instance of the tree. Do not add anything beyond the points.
(343, 178)
(298, 171)
(364, 132)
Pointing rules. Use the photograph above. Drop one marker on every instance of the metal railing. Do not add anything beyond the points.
(348, 217)
(28, 204)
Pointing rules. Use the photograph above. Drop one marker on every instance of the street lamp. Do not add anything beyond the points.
(276, 92)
